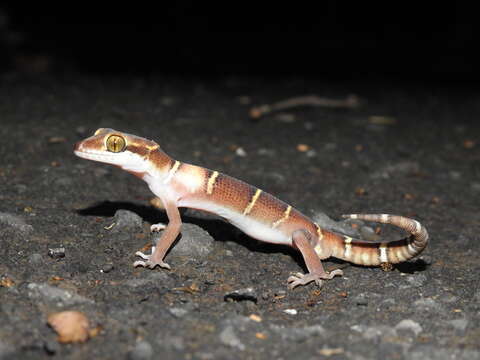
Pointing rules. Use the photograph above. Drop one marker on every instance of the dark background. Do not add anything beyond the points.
(187, 74)
(331, 40)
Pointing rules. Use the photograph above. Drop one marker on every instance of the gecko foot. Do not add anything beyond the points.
(304, 279)
(149, 263)
(157, 227)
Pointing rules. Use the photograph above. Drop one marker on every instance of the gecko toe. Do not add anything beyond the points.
(142, 255)
(334, 273)
(295, 280)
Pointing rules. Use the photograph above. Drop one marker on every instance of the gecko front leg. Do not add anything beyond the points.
(302, 240)
(172, 229)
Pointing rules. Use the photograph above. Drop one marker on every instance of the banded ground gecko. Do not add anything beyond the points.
(255, 212)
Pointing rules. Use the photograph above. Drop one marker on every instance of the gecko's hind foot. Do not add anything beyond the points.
(304, 279)
(149, 263)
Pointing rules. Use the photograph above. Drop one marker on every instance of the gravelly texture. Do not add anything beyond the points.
(424, 164)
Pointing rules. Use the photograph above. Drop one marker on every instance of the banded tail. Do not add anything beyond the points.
(362, 252)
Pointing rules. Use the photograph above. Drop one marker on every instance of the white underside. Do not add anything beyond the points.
(248, 225)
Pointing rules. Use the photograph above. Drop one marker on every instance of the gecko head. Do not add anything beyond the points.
(114, 147)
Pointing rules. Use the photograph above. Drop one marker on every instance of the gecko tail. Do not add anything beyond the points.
(385, 252)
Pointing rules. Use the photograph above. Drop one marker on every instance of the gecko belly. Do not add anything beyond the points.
(248, 225)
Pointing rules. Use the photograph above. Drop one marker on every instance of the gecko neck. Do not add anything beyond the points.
(156, 165)
(158, 171)
(159, 163)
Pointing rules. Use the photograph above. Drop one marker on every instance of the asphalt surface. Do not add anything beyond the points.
(69, 228)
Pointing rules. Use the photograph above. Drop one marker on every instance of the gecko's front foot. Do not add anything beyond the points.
(304, 279)
(157, 227)
(150, 263)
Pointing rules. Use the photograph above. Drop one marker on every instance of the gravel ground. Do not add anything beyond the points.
(69, 228)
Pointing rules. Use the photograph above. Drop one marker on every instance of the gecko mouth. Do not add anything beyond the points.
(92, 155)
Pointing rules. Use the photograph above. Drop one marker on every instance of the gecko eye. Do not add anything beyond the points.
(116, 143)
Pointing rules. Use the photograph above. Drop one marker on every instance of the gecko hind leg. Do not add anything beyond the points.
(302, 240)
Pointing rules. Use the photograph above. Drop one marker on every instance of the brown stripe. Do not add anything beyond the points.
(399, 254)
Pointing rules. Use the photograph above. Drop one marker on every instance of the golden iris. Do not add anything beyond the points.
(116, 143)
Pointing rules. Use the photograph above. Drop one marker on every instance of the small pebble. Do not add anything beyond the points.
(449, 298)
(416, 280)
(285, 118)
(240, 152)
(311, 153)
(409, 325)
(248, 294)
(426, 304)
(51, 347)
(266, 152)
(127, 220)
(229, 338)
(455, 175)
(459, 324)
(178, 312)
(45, 293)
(142, 351)
(308, 125)
(56, 253)
(107, 268)
(368, 233)
(14, 222)
(195, 242)
(35, 259)
(360, 300)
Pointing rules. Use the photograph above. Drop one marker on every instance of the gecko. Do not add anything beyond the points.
(254, 211)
